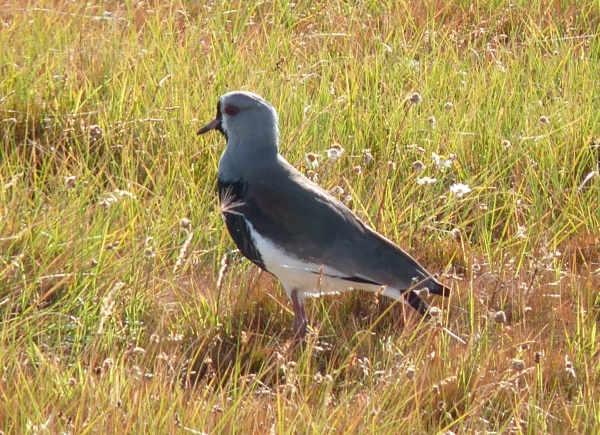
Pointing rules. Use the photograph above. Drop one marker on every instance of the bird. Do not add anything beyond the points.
(294, 229)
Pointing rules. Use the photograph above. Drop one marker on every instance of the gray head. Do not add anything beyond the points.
(250, 125)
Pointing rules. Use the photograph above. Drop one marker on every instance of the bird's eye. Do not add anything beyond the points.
(232, 110)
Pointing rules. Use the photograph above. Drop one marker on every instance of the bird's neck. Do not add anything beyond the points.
(241, 159)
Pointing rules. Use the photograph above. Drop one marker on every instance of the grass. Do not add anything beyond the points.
(123, 306)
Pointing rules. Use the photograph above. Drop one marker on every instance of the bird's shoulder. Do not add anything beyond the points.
(292, 197)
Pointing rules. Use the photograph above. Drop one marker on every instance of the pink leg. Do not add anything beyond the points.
(300, 321)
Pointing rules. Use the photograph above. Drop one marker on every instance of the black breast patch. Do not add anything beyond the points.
(236, 205)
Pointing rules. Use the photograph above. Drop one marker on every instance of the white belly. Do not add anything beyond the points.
(309, 279)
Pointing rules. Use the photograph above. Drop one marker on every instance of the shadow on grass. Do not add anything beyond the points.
(258, 340)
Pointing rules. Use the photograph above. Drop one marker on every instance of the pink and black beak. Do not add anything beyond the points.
(215, 124)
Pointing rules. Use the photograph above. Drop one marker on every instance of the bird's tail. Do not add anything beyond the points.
(417, 303)
(438, 289)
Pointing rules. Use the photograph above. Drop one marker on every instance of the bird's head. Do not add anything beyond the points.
(246, 119)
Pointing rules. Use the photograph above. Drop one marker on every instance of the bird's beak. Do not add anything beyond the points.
(212, 125)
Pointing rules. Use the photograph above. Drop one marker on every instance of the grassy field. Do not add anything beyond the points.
(123, 305)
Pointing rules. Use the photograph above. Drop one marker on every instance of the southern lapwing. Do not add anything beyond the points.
(292, 228)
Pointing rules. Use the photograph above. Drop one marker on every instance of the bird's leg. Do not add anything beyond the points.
(300, 321)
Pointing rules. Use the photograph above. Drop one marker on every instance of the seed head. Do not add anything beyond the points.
(500, 317)
(415, 98)
(435, 312)
(149, 252)
(424, 292)
(337, 190)
(569, 367)
(107, 364)
(138, 351)
(418, 166)
(95, 132)
(185, 224)
(518, 365)
(334, 152)
(312, 161)
(70, 181)
(368, 156)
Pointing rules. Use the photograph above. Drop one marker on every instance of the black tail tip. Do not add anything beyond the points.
(416, 302)
(445, 291)
(436, 288)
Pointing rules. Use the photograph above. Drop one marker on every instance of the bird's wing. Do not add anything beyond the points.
(310, 224)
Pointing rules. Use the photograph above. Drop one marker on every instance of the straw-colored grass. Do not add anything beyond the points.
(123, 305)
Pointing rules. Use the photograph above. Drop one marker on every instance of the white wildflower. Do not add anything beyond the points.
(426, 180)
(460, 189)
(440, 161)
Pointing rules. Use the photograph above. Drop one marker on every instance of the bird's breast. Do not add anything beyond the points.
(231, 195)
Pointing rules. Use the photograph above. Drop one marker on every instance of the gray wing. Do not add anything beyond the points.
(309, 223)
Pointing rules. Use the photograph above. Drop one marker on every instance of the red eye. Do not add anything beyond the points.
(232, 110)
